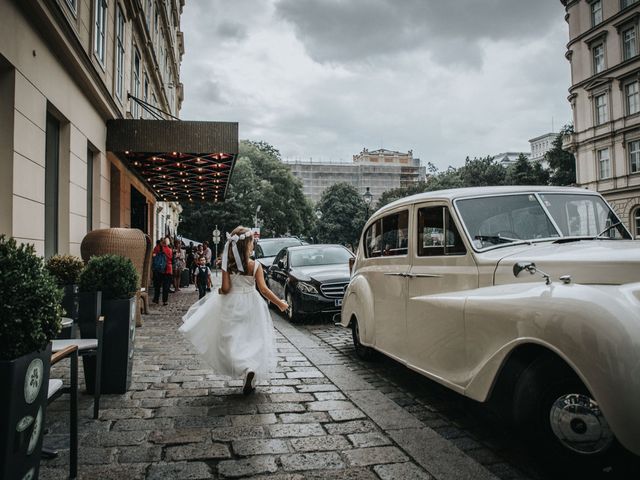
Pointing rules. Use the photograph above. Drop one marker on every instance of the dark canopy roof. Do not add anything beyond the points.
(178, 160)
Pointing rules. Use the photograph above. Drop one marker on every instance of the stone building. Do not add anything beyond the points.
(605, 99)
(380, 170)
(90, 95)
(540, 145)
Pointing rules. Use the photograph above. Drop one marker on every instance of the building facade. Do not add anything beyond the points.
(540, 146)
(68, 67)
(380, 170)
(508, 158)
(605, 98)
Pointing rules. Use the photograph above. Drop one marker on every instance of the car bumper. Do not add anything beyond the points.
(314, 303)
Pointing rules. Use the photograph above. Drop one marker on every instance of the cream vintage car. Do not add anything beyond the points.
(528, 296)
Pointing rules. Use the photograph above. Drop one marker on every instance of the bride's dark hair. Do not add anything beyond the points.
(245, 247)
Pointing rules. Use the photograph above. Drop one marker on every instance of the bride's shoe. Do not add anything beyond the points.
(248, 383)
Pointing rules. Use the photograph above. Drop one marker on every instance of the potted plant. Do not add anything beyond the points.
(66, 270)
(117, 279)
(30, 314)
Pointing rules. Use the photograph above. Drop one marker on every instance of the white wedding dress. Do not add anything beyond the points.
(233, 332)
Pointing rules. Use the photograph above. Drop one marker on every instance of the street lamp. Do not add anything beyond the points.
(368, 197)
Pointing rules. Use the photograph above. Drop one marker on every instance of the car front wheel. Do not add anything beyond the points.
(363, 352)
(559, 417)
(292, 311)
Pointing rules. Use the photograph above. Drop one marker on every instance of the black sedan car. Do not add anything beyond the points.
(311, 278)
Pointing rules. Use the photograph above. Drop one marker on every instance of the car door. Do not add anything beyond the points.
(278, 273)
(441, 263)
(386, 268)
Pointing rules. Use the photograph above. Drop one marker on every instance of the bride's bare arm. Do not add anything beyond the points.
(226, 283)
(262, 286)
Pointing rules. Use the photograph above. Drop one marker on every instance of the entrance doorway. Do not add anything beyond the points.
(139, 210)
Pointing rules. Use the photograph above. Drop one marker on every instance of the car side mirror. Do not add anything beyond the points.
(524, 266)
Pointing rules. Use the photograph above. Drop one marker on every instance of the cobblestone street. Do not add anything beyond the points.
(324, 414)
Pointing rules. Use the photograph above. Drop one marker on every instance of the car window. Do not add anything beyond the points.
(324, 255)
(388, 236)
(437, 233)
(281, 256)
(258, 251)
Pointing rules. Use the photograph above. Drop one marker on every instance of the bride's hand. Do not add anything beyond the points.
(283, 306)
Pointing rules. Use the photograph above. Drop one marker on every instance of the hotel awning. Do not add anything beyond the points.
(178, 160)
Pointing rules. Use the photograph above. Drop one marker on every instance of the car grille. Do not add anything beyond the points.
(333, 290)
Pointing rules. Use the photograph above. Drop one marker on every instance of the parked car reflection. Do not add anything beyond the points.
(311, 278)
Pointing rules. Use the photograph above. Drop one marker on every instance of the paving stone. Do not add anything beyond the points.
(148, 394)
(321, 396)
(139, 454)
(226, 434)
(324, 387)
(181, 412)
(291, 397)
(123, 413)
(330, 405)
(401, 471)
(259, 419)
(357, 473)
(119, 438)
(179, 471)
(325, 442)
(280, 407)
(129, 471)
(311, 461)
(198, 451)
(201, 422)
(295, 430)
(233, 409)
(148, 424)
(342, 415)
(247, 467)
(158, 402)
(355, 426)
(311, 374)
(262, 446)
(308, 417)
(360, 457)
(371, 439)
(168, 437)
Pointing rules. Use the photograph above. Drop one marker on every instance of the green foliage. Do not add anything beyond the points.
(524, 172)
(259, 178)
(343, 214)
(65, 268)
(562, 164)
(113, 275)
(30, 310)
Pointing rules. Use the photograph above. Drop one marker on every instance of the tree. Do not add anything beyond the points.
(562, 164)
(343, 214)
(524, 172)
(481, 172)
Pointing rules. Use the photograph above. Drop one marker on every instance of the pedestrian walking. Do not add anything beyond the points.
(179, 265)
(203, 277)
(191, 260)
(162, 270)
(232, 330)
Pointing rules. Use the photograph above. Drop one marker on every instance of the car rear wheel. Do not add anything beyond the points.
(558, 416)
(292, 311)
(363, 352)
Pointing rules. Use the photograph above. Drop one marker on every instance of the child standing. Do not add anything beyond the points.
(203, 277)
(233, 330)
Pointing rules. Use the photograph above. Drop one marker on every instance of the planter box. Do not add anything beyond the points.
(117, 347)
(23, 402)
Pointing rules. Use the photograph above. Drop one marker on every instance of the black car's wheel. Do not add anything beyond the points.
(362, 351)
(292, 311)
(558, 416)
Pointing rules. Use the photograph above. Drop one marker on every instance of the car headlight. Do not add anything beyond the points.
(306, 288)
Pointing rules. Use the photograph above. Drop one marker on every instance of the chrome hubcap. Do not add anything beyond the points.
(578, 422)
(290, 308)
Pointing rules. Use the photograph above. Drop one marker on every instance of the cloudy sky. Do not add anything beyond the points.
(322, 79)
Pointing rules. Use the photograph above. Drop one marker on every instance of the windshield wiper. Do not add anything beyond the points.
(613, 225)
(500, 239)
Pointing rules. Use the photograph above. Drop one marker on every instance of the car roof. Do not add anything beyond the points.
(456, 193)
(280, 239)
(315, 245)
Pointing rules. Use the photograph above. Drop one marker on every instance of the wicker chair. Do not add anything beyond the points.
(145, 279)
(130, 243)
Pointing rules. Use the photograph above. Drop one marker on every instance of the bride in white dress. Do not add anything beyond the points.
(232, 330)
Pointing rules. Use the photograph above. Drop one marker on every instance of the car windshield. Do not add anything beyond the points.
(507, 219)
(307, 257)
(270, 248)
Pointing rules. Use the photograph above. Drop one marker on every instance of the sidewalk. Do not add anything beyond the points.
(314, 419)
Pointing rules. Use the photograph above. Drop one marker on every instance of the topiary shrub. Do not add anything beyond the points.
(113, 275)
(65, 268)
(30, 309)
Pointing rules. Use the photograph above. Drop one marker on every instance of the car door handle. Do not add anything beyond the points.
(422, 275)
(402, 274)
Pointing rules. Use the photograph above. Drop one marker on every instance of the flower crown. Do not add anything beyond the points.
(233, 241)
